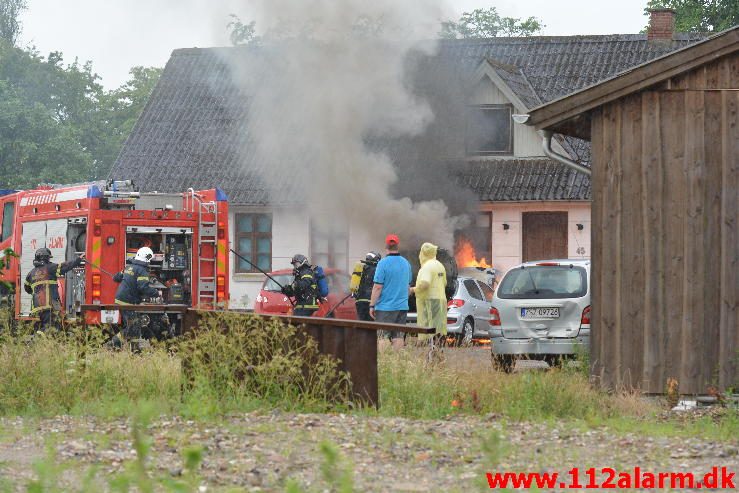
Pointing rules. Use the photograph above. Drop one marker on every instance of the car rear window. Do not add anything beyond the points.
(544, 282)
(283, 279)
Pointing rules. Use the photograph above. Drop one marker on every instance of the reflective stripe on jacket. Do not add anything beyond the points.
(41, 282)
(305, 288)
(135, 284)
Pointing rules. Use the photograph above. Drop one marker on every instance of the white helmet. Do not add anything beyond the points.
(145, 254)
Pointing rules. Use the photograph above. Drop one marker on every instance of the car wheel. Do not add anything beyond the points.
(468, 331)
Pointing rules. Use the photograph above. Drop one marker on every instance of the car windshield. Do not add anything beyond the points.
(544, 282)
(282, 279)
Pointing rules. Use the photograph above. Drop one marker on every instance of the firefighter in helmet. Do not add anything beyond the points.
(366, 282)
(41, 282)
(135, 285)
(304, 287)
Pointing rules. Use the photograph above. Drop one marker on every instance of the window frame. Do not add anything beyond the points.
(510, 150)
(480, 296)
(331, 254)
(254, 236)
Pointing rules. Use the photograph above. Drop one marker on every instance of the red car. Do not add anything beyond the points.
(271, 301)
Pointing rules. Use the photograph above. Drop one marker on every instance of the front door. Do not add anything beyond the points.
(544, 235)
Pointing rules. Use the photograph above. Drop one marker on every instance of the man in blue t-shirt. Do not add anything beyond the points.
(389, 301)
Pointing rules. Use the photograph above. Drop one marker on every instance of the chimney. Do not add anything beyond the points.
(661, 24)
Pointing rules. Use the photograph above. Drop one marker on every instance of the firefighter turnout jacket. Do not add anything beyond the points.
(41, 282)
(304, 288)
(366, 282)
(135, 284)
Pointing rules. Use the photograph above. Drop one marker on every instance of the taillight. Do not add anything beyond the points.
(456, 303)
(221, 288)
(585, 319)
(96, 290)
(494, 317)
(97, 228)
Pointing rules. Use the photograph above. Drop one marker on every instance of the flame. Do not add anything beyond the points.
(466, 257)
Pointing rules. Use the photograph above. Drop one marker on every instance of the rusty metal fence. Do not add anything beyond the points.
(352, 342)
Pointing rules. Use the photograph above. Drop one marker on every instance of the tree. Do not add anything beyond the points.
(701, 16)
(10, 26)
(487, 23)
(57, 123)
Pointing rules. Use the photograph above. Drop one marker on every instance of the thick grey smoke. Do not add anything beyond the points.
(329, 78)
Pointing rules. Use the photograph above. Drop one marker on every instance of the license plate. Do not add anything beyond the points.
(110, 316)
(527, 313)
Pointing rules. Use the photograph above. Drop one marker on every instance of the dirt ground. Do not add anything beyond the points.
(263, 451)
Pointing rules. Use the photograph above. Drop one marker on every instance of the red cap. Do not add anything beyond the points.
(392, 240)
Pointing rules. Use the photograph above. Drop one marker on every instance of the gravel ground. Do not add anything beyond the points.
(260, 452)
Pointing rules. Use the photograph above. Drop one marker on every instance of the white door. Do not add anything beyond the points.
(51, 234)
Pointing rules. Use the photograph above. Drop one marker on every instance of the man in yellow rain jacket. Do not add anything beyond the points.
(430, 292)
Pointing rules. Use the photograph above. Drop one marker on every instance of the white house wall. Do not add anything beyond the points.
(526, 142)
(508, 244)
(290, 235)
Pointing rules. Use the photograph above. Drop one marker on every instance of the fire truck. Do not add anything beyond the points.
(109, 222)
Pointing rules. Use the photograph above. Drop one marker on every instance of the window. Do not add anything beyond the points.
(487, 291)
(254, 241)
(472, 289)
(8, 213)
(489, 129)
(329, 247)
(544, 282)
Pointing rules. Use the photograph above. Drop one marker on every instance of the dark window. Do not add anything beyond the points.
(472, 289)
(8, 213)
(487, 291)
(544, 282)
(254, 241)
(489, 129)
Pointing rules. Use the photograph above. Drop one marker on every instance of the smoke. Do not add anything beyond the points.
(330, 79)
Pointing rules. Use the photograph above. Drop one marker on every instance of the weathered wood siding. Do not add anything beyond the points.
(665, 242)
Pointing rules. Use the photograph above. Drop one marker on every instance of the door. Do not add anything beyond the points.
(544, 235)
(480, 311)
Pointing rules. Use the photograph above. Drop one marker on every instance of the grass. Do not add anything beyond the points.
(237, 364)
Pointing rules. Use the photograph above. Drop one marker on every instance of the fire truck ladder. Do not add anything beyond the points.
(207, 235)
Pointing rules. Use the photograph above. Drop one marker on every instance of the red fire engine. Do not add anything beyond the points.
(188, 233)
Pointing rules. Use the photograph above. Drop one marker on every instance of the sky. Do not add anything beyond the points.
(119, 34)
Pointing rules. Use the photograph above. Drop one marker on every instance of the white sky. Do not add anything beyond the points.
(119, 34)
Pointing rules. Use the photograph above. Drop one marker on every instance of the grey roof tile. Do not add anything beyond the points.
(193, 132)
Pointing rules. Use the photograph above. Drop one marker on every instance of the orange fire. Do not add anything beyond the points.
(466, 257)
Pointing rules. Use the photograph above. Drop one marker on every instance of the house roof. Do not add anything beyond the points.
(556, 113)
(194, 132)
(522, 180)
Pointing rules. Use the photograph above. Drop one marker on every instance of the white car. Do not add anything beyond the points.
(468, 312)
(541, 310)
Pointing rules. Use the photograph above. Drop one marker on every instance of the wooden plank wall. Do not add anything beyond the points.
(665, 241)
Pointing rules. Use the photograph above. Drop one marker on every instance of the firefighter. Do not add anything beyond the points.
(41, 282)
(135, 285)
(366, 282)
(430, 291)
(304, 287)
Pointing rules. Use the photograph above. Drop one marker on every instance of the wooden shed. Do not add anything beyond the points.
(665, 247)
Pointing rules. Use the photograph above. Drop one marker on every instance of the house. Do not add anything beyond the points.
(665, 145)
(525, 205)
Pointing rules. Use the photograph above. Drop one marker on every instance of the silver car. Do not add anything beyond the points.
(541, 310)
(468, 312)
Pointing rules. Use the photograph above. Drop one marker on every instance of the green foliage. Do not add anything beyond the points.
(57, 123)
(488, 23)
(235, 358)
(702, 16)
(10, 26)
